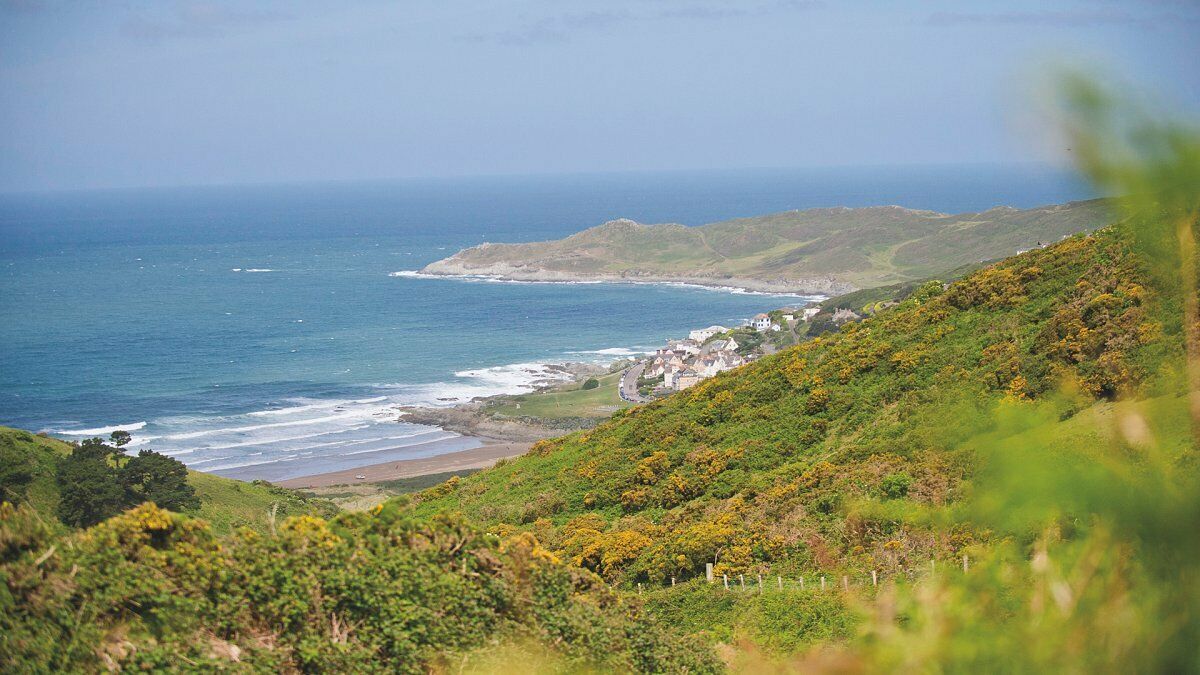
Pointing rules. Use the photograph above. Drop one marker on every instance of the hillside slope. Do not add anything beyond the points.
(805, 461)
(225, 503)
(828, 251)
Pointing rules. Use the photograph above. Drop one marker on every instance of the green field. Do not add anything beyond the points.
(571, 401)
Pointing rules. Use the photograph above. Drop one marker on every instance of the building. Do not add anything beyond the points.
(844, 315)
(809, 312)
(702, 334)
(686, 378)
(660, 363)
(687, 347)
(726, 345)
(762, 322)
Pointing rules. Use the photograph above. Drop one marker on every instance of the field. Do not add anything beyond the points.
(572, 401)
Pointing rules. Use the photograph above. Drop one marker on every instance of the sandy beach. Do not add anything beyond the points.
(475, 458)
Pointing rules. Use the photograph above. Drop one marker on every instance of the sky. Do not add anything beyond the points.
(125, 93)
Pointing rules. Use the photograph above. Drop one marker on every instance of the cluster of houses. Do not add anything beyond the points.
(683, 363)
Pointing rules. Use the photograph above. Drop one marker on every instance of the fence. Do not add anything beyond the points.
(823, 582)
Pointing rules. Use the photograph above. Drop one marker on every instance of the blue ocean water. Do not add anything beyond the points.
(262, 331)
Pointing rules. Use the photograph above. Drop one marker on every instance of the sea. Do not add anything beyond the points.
(270, 331)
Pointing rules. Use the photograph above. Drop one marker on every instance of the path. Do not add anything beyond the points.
(629, 380)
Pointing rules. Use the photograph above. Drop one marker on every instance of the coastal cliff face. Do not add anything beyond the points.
(826, 251)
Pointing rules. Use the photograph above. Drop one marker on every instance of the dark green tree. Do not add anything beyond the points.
(120, 438)
(154, 477)
(89, 490)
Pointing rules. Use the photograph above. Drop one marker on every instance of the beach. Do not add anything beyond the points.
(475, 458)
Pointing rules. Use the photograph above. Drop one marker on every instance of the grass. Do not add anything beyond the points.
(572, 401)
(364, 496)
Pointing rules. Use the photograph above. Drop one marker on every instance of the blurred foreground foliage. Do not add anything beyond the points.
(1094, 558)
(377, 592)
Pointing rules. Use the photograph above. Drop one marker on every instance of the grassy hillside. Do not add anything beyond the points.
(225, 503)
(817, 250)
(803, 461)
(568, 402)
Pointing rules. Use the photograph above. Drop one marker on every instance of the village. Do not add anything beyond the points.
(715, 349)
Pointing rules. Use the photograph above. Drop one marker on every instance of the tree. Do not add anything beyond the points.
(154, 477)
(591, 383)
(120, 438)
(89, 491)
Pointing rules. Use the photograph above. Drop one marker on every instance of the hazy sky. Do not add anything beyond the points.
(127, 93)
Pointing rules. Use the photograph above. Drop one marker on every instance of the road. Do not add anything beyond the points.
(629, 380)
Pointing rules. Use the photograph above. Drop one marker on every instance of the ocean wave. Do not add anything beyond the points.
(270, 440)
(615, 351)
(256, 427)
(488, 279)
(313, 404)
(98, 431)
(252, 269)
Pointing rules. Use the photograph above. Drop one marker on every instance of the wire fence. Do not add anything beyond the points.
(758, 583)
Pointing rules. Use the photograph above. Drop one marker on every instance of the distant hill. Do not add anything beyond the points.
(225, 503)
(828, 251)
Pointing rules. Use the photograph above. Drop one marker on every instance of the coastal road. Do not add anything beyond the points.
(629, 380)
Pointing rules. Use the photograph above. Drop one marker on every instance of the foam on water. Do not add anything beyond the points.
(98, 431)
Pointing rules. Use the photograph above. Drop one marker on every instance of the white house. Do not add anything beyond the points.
(686, 378)
(760, 322)
(702, 334)
(688, 346)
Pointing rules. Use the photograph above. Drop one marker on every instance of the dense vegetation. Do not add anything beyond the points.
(803, 459)
(816, 250)
(31, 466)
(375, 592)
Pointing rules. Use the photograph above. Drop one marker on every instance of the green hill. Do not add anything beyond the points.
(225, 503)
(829, 250)
(760, 466)
(834, 457)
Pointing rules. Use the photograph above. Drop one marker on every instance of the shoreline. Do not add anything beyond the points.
(801, 288)
(482, 457)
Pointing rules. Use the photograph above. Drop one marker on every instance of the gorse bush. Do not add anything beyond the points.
(376, 592)
(778, 465)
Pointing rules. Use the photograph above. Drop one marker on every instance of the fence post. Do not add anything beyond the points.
(801, 583)
(780, 579)
(966, 565)
(639, 588)
(760, 588)
(845, 582)
(726, 581)
(672, 581)
(822, 582)
(874, 579)
(742, 579)
(708, 572)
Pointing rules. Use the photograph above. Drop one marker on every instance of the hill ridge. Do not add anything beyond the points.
(824, 250)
